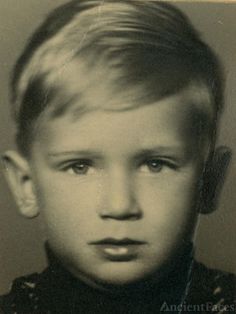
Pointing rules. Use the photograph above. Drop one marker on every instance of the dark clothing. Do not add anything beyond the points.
(56, 291)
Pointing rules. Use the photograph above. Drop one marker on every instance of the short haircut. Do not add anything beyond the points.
(149, 45)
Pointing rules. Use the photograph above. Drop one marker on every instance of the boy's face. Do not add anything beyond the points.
(117, 189)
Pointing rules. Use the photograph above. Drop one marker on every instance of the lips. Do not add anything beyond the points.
(118, 249)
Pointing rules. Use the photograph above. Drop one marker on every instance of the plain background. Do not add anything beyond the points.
(21, 241)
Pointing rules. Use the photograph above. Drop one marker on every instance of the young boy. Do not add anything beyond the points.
(117, 104)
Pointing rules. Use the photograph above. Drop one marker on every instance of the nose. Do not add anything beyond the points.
(121, 203)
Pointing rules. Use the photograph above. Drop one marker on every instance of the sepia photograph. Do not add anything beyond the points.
(117, 151)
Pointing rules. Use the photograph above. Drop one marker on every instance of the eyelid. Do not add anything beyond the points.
(66, 166)
(72, 162)
(162, 161)
(78, 167)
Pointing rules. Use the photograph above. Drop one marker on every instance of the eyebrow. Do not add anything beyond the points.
(142, 152)
(82, 153)
(175, 152)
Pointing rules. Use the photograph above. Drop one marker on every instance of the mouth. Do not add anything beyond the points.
(118, 250)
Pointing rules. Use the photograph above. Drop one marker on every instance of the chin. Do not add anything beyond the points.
(121, 279)
(123, 274)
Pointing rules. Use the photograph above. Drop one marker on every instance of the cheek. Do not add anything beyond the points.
(169, 204)
(68, 204)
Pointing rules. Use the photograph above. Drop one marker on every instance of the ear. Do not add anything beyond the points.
(18, 175)
(213, 179)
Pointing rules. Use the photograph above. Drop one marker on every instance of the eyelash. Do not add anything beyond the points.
(83, 166)
(154, 165)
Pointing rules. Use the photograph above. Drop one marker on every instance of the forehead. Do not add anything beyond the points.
(167, 122)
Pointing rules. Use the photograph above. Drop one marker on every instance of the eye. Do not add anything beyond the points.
(81, 167)
(155, 165)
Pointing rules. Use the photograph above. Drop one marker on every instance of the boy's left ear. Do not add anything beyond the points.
(213, 179)
(18, 175)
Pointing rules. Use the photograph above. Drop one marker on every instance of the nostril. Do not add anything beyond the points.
(135, 216)
(121, 216)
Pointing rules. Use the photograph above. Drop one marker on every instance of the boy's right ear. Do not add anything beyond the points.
(18, 175)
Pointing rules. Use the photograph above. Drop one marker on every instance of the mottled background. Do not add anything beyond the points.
(21, 241)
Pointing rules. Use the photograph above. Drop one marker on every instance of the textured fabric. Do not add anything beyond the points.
(56, 291)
